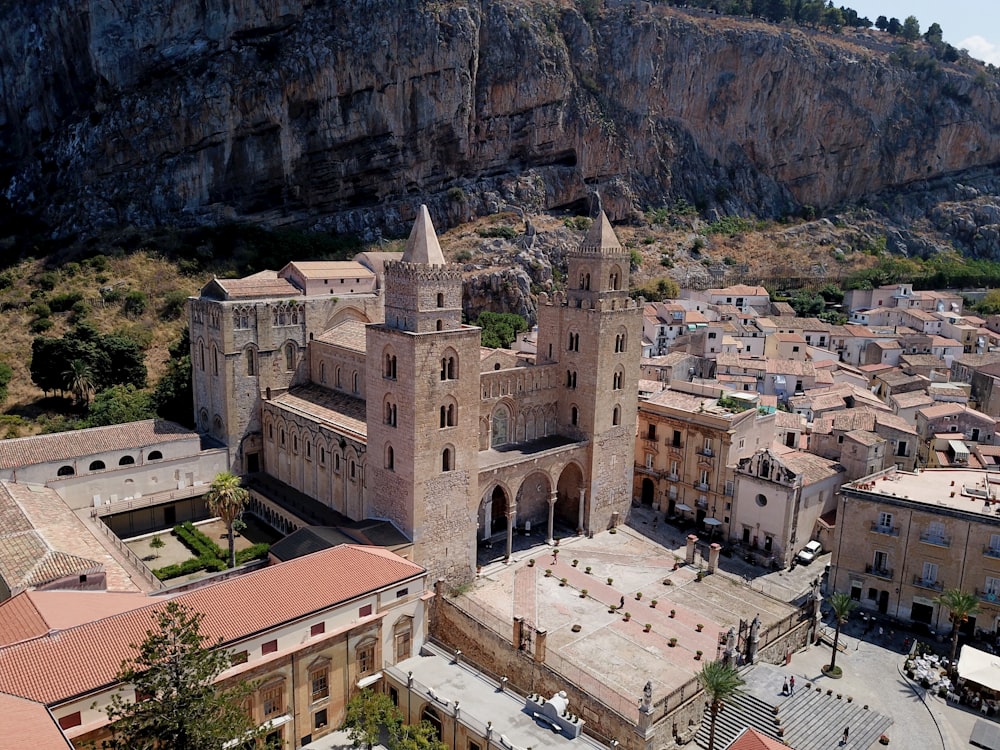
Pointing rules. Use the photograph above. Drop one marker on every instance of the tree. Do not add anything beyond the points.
(911, 29)
(894, 26)
(842, 605)
(881, 23)
(173, 397)
(156, 544)
(120, 404)
(961, 606)
(934, 34)
(367, 713)
(226, 499)
(500, 329)
(720, 683)
(422, 736)
(6, 373)
(178, 706)
(80, 380)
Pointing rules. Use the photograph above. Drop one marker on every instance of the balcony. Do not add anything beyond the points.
(936, 539)
(650, 444)
(879, 572)
(887, 530)
(706, 452)
(701, 486)
(988, 596)
(992, 552)
(925, 583)
(673, 477)
(702, 502)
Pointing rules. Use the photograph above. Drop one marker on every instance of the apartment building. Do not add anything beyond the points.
(904, 537)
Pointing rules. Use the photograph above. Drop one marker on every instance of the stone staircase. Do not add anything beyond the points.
(807, 720)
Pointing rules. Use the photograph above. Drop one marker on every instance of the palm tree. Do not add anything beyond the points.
(720, 683)
(961, 606)
(80, 380)
(226, 499)
(842, 605)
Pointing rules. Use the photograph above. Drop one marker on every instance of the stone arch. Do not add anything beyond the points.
(290, 351)
(648, 491)
(584, 278)
(493, 508)
(615, 278)
(346, 312)
(389, 410)
(431, 716)
(568, 489)
(201, 354)
(388, 362)
(96, 466)
(448, 412)
(203, 423)
(502, 424)
(449, 364)
(533, 499)
(621, 339)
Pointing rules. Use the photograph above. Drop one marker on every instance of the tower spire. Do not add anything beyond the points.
(601, 236)
(422, 246)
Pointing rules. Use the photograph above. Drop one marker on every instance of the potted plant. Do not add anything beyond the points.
(628, 616)
(548, 572)
(562, 581)
(583, 594)
(672, 642)
(638, 596)
(884, 739)
(575, 563)
(531, 563)
(699, 627)
(673, 613)
(610, 580)
(697, 655)
(653, 604)
(587, 569)
(647, 627)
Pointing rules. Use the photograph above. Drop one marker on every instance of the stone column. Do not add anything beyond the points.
(540, 646)
(691, 541)
(553, 496)
(713, 556)
(579, 515)
(511, 519)
(754, 640)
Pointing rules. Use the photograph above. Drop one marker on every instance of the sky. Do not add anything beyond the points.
(968, 24)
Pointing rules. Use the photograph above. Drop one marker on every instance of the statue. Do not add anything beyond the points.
(647, 696)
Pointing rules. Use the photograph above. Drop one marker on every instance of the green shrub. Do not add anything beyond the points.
(580, 223)
(40, 309)
(256, 552)
(134, 304)
(456, 194)
(197, 542)
(174, 304)
(463, 256)
(40, 325)
(47, 280)
(98, 263)
(64, 302)
(501, 231)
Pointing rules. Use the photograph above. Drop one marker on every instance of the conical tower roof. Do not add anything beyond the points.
(422, 246)
(601, 234)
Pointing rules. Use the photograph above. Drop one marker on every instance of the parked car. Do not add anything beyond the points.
(808, 553)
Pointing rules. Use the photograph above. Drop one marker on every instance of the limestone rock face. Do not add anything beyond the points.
(347, 115)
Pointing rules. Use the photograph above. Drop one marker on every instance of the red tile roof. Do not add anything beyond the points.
(78, 660)
(31, 613)
(751, 739)
(62, 446)
(29, 724)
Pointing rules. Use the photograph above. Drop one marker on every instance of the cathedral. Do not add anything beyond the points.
(358, 384)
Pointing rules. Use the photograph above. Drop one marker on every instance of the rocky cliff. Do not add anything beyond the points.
(346, 114)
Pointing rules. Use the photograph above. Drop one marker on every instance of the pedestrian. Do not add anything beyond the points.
(791, 685)
(621, 604)
(846, 732)
(784, 688)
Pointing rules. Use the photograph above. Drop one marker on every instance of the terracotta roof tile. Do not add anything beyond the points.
(71, 662)
(62, 446)
(348, 335)
(336, 410)
(34, 613)
(29, 724)
(751, 739)
(329, 269)
(257, 286)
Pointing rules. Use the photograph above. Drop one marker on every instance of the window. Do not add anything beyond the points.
(649, 460)
(251, 362)
(336, 378)
(319, 682)
(354, 381)
(215, 360)
(318, 629)
(935, 531)
(201, 356)
(154, 456)
(96, 466)
(240, 657)
(673, 468)
(885, 520)
(761, 500)
(676, 443)
(365, 611)
(929, 573)
(352, 472)
(901, 448)
(570, 379)
(703, 477)
(273, 700)
(501, 427)
(447, 460)
(995, 543)
(617, 380)
(402, 644)
(992, 587)
(319, 719)
(574, 416)
(290, 357)
(322, 456)
(574, 342)
(651, 432)
(389, 366)
(448, 416)
(707, 449)
(880, 562)
(390, 458)
(440, 300)
(616, 415)
(448, 368)
(65, 471)
(390, 413)
(269, 648)
(322, 372)
(366, 658)
(620, 342)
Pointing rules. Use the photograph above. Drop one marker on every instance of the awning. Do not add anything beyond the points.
(979, 667)
(713, 522)
(682, 507)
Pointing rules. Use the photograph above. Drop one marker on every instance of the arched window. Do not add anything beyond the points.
(390, 458)
(353, 470)
(217, 429)
(618, 380)
(447, 460)
(354, 381)
(336, 379)
(574, 416)
(126, 461)
(431, 717)
(570, 378)
(448, 418)
(96, 466)
(440, 300)
(585, 281)
(389, 366)
(616, 415)
(289, 357)
(389, 410)
(620, 340)
(574, 342)
(449, 368)
(201, 356)
(322, 372)
(251, 356)
(154, 456)
(65, 471)
(215, 360)
(501, 427)
(615, 279)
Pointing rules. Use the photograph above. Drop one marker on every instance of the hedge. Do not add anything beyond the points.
(210, 556)
(197, 542)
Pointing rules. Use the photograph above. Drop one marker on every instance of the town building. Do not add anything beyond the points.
(904, 537)
(333, 622)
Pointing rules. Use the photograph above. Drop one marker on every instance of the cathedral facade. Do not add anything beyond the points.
(358, 384)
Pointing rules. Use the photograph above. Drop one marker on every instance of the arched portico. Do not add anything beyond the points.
(570, 501)
(648, 491)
